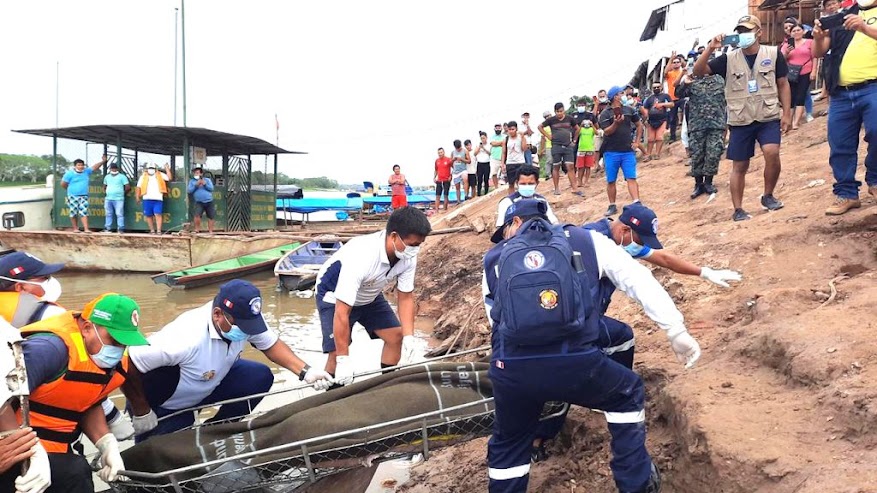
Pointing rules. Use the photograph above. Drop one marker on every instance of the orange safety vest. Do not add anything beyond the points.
(144, 182)
(19, 308)
(56, 407)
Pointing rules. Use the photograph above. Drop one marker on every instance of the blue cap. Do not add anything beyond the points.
(243, 301)
(521, 208)
(614, 92)
(23, 266)
(643, 222)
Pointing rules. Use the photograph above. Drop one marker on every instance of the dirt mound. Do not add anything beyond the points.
(783, 399)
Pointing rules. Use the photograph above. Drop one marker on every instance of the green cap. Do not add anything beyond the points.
(120, 315)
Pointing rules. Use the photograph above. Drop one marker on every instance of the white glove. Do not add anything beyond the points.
(720, 276)
(145, 423)
(343, 370)
(110, 458)
(121, 427)
(409, 350)
(39, 474)
(320, 379)
(686, 348)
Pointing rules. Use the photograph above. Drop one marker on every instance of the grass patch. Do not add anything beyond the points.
(17, 183)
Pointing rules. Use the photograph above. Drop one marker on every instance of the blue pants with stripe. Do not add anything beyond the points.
(244, 378)
(588, 379)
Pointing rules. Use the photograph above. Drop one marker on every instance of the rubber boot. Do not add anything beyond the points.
(698, 188)
(708, 185)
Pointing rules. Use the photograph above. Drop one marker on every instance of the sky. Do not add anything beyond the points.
(359, 86)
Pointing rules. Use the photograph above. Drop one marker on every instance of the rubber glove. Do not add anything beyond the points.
(39, 474)
(409, 350)
(121, 427)
(145, 423)
(343, 370)
(110, 458)
(686, 348)
(720, 276)
(320, 379)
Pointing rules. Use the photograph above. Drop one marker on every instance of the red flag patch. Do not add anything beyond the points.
(635, 221)
(228, 304)
(16, 271)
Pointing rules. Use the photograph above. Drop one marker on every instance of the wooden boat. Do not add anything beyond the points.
(223, 270)
(297, 270)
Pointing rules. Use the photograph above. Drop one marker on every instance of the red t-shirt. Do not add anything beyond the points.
(443, 168)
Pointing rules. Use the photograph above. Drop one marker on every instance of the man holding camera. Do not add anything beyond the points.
(759, 106)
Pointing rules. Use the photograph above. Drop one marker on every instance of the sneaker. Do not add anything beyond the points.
(106, 232)
(120, 231)
(809, 118)
(741, 215)
(579, 193)
(770, 203)
(842, 206)
(699, 190)
(611, 211)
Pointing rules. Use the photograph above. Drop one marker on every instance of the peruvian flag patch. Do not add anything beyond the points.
(16, 271)
(228, 304)
(635, 221)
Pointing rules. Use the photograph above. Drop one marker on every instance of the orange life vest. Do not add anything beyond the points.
(56, 407)
(19, 308)
(144, 182)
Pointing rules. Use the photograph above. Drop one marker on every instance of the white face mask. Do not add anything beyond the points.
(580, 109)
(51, 288)
(604, 100)
(114, 172)
(409, 251)
(866, 4)
(150, 171)
(746, 40)
(527, 190)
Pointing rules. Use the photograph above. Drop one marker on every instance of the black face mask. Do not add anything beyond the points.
(498, 132)
(656, 91)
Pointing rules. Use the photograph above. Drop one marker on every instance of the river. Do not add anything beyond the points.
(293, 316)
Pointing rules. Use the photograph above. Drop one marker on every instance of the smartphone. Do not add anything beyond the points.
(617, 111)
(731, 39)
(832, 21)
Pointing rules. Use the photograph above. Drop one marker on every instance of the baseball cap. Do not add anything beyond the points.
(243, 301)
(546, 114)
(197, 167)
(615, 91)
(120, 315)
(150, 166)
(643, 222)
(525, 114)
(23, 266)
(521, 208)
(749, 22)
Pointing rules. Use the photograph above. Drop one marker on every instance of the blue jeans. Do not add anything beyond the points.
(114, 208)
(528, 157)
(808, 103)
(847, 112)
(244, 378)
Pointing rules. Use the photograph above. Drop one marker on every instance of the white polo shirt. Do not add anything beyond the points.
(192, 343)
(360, 270)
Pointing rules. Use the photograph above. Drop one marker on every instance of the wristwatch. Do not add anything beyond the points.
(303, 372)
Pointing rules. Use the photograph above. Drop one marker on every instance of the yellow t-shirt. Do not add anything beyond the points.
(859, 63)
(548, 140)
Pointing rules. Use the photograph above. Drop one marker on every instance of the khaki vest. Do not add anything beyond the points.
(760, 106)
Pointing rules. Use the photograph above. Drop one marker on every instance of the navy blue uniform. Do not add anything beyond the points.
(576, 371)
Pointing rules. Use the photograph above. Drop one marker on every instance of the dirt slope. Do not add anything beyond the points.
(783, 398)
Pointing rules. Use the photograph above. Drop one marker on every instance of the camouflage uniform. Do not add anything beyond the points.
(707, 121)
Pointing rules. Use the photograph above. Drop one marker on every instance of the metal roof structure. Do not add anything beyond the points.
(166, 140)
(788, 4)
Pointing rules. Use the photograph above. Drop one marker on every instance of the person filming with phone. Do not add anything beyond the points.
(759, 106)
(851, 79)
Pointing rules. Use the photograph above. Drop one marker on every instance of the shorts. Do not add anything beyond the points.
(562, 155)
(377, 315)
(442, 186)
(205, 208)
(741, 145)
(495, 167)
(598, 143)
(472, 177)
(152, 207)
(78, 205)
(511, 171)
(585, 159)
(399, 201)
(625, 161)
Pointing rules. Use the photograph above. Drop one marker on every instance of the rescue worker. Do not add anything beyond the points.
(73, 361)
(528, 179)
(196, 361)
(29, 293)
(565, 350)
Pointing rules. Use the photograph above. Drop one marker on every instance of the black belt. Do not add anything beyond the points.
(856, 87)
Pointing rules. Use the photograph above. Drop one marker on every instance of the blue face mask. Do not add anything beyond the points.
(108, 356)
(234, 334)
(527, 190)
(634, 248)
(746, 40)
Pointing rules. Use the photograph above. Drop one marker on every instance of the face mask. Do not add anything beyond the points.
(150, 172)
(197, 176)
(108, 356)
(498, 132)
(78, 170)
(234, 334)
(51, 288)
(866, 4)
(633, 249)
(114, 173)
(408, 253)
(527, 190)
(604, 100)
(624, 100)
(746, 40)
(580, 109)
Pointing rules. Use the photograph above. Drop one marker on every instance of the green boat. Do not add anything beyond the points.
(223, 270)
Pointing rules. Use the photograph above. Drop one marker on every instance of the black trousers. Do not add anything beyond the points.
(70, 474)
(673, 123)
(482, 176)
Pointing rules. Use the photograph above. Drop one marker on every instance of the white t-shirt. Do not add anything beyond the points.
(204, 357)
(514, 152)
(481, 156)
(152, 190)
(473, 165)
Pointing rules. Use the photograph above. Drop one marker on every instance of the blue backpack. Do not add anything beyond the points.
(540, 295)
